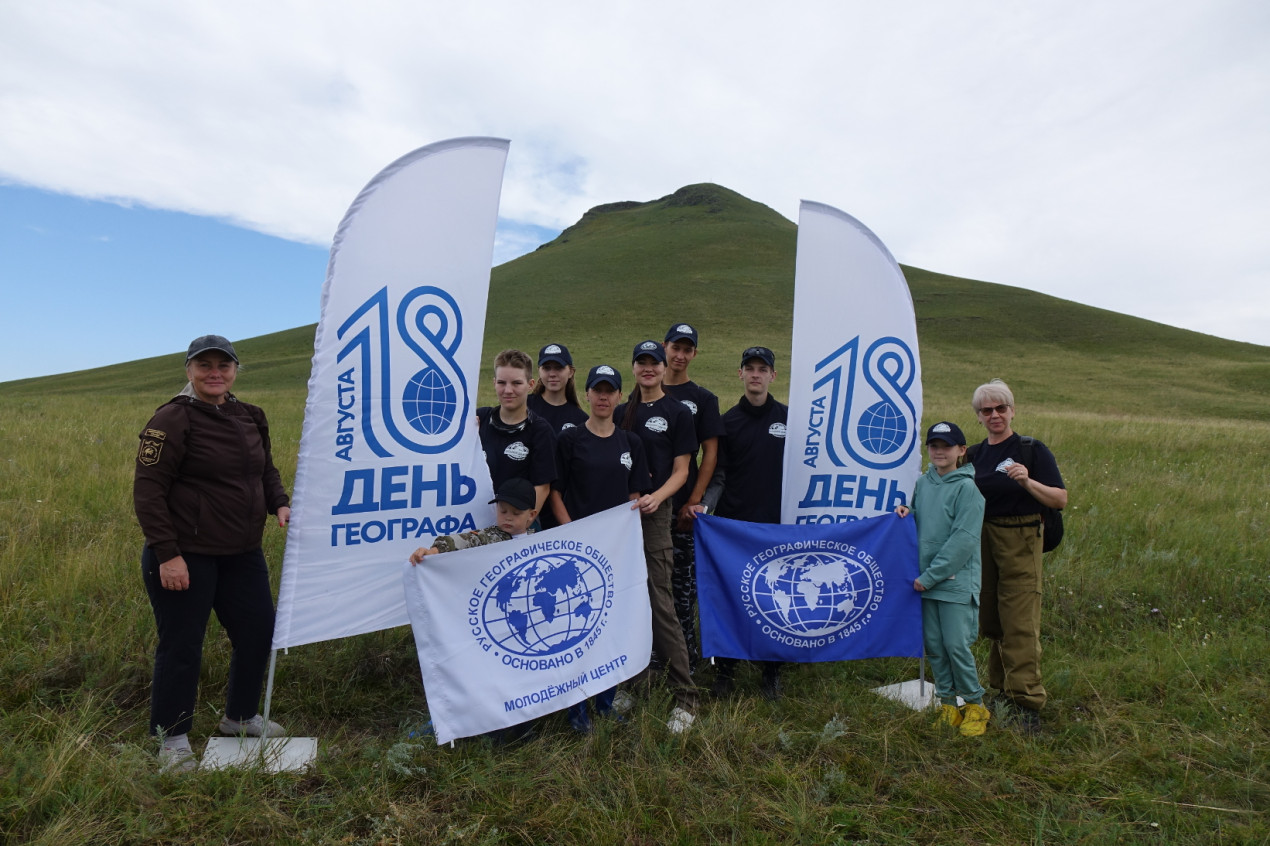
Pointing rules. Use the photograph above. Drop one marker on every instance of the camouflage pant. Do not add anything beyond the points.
(683, 580)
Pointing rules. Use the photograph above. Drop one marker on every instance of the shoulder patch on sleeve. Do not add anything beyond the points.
(150, 450)
(158, 434)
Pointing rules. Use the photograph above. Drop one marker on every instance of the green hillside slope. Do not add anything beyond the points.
(1156, 647)
(626, 270)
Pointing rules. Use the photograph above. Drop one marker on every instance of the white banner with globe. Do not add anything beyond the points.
(512, 631)
(389, 454)
(852, 446)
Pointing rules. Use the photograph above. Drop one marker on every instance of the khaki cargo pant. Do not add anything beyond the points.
(668, 637)
(1010, 607)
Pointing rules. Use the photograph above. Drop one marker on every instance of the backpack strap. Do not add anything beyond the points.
(1026, 446)
(972, 450)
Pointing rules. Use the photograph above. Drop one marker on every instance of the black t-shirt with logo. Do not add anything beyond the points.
(706, 422)
(560, 417)
(594, 473)
(526, 450)
(665, 428)
(1002, 496)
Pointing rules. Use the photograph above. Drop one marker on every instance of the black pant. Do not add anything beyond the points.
(236, 587)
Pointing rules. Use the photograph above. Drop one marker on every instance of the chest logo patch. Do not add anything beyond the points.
(692, 406)
(777, 430)
(626, 460)
(656, 424)
(517, 451)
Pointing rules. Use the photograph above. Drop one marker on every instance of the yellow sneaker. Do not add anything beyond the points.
(948, 716)
(975, 721)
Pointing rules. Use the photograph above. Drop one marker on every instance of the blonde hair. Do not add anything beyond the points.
(995, 391)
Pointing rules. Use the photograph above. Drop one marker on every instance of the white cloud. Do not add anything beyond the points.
(1108, 153)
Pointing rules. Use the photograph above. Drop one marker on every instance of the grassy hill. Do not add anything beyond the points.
(627, 270)
(1156, 606)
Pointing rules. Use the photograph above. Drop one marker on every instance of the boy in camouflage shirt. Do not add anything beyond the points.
(515, 501)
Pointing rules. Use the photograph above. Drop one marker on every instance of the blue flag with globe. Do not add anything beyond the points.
(826, 592)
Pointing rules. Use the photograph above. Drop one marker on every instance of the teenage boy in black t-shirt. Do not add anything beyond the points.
(681, 349)
(517, 442)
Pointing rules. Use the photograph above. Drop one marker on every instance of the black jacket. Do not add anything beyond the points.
(205, 479)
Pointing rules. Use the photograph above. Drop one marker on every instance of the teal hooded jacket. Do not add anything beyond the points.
(949, 514)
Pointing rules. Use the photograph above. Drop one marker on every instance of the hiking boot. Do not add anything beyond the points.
(975, 720)
(580, 718)
(722, 687)
(680, 721)
(254, 727)
(949, 716)
(770, 686)
(176, 756)
(1029, 721)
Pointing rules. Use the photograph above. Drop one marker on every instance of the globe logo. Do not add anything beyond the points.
(776, 430)
(692, 406)
(429, 401)
(882, 429)
(516, 451)
(812, 594)
(545, 605)
(656, 424)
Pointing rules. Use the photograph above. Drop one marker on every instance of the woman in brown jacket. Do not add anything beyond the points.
(203, 483)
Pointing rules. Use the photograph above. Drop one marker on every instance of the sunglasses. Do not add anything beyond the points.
(987, 410)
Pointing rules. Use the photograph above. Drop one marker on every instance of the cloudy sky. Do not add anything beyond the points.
(168, 169)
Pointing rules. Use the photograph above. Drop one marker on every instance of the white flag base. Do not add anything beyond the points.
(917, 694)
(273, 754)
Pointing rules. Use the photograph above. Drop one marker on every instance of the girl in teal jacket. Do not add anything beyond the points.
(948, 509)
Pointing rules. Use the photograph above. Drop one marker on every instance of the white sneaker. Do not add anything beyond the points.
(176, 756)
(680, 721)
(255, 727)
(623, 702)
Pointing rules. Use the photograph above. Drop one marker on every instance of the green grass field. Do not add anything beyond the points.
(1156, 628)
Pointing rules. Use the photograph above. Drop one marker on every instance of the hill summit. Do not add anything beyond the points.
(690, 204)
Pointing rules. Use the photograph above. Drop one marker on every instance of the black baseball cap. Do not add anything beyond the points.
(946, 432)
(651, 348)
(203, 343)
(763, 354)
(558, 353)
(603, 373)
(518, 493)
(680, 332)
